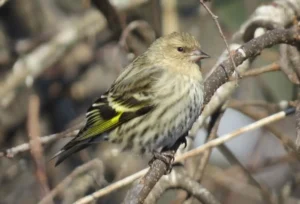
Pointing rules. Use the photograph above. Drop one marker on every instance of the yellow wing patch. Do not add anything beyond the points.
(100, 126)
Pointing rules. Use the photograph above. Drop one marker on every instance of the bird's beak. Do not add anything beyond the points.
(197, 55)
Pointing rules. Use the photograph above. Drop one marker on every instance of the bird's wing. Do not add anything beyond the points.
(109, 112)
(129, 98)
(126, 99)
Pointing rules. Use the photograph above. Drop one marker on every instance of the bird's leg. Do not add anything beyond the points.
(167, 153)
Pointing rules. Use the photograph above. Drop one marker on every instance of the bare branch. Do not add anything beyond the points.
(226, 137)
(112, 187)
(285, 140)
(271, 107)
(184, 156)
(132, 26)
(43, 140)
(257, 71)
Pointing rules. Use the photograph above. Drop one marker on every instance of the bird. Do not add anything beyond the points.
(152, 104)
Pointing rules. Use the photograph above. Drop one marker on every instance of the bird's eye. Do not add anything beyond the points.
(180, 49)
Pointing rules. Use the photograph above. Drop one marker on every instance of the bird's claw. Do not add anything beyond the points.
(167, 157)
(182, 140)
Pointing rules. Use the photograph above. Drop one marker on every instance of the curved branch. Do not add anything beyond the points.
(113, 19)
(179, 179)
(248, 50)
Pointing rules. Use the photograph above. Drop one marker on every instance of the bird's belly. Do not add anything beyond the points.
(169, 137)
(177, 127)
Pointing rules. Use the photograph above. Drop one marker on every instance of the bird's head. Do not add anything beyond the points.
(178, 46)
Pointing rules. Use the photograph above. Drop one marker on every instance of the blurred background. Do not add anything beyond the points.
(53, 66)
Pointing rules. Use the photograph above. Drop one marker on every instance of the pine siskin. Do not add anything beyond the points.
(152, 104)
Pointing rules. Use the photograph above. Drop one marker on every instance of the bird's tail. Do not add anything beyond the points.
(65, 153)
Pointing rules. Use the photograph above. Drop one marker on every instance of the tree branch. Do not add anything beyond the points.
(43, 140)
(248, 50)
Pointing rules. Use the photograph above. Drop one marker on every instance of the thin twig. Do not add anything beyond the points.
(215, 18)
(272, 107)
(43, 140)
(112, 187)
(229, 136)
(285, 140)
(36, 149)
(257, 71)
(191, 153)
(132, 26)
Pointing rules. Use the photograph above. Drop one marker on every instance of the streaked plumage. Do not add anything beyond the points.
(152, 103)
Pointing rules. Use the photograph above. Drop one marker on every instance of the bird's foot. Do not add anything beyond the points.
(167, 157)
